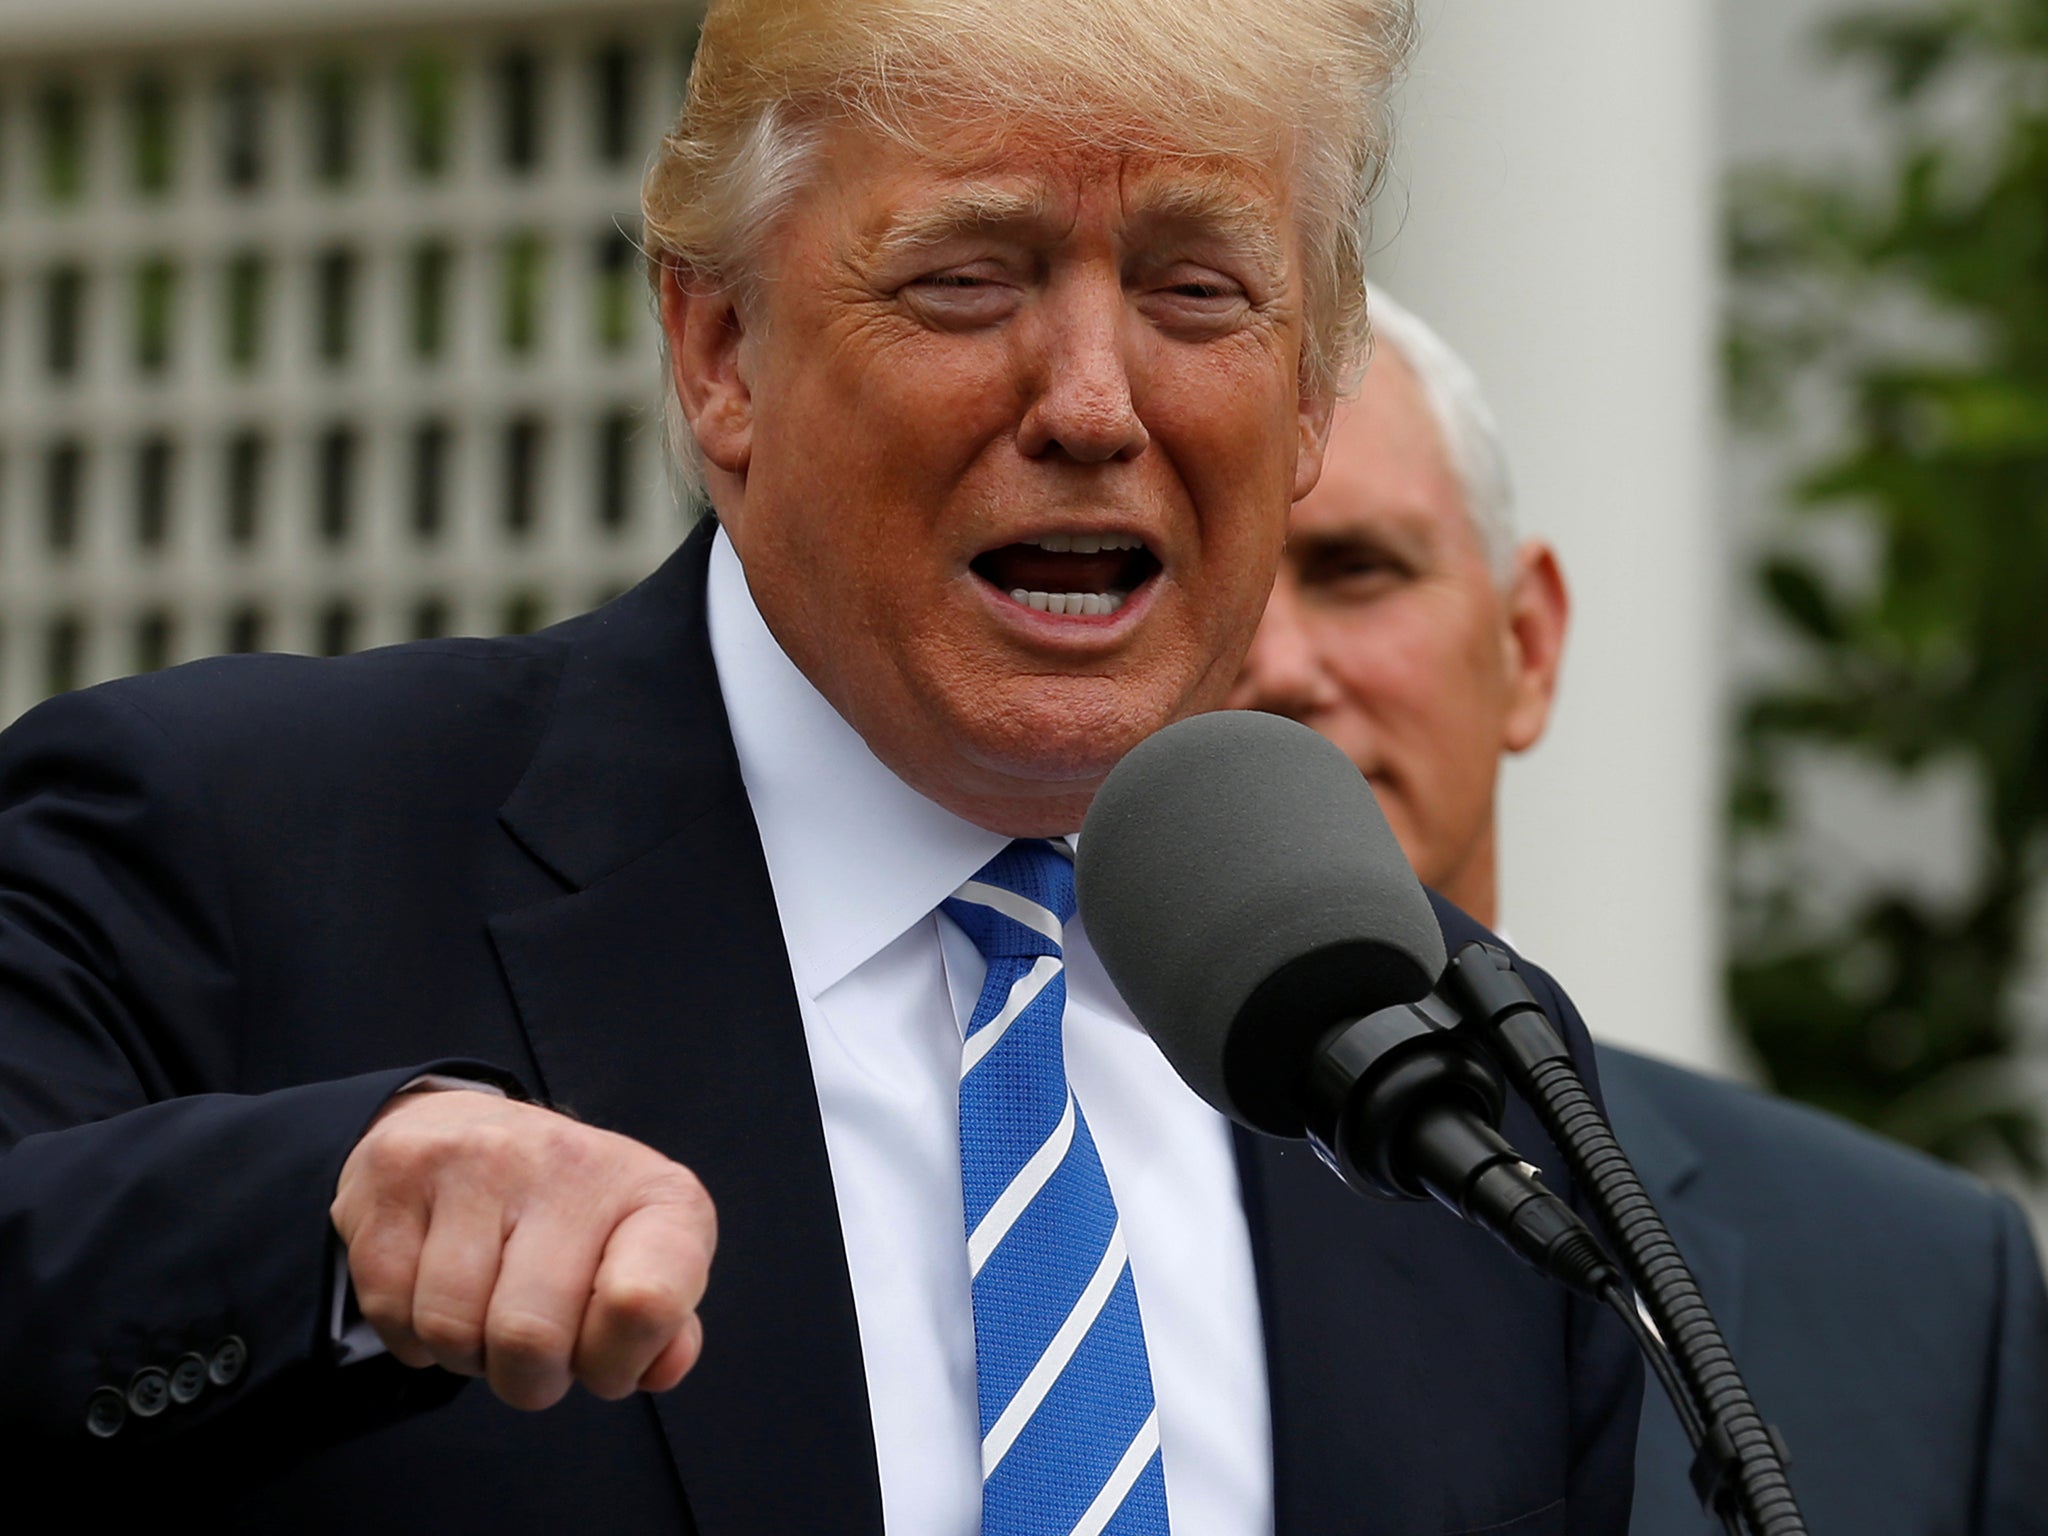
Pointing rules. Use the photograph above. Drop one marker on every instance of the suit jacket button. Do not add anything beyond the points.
(105, 1412)
(188, 1378)
(230, 1356)
(149, 1392)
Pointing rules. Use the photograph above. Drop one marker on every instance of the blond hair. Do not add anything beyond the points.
(1302, 82)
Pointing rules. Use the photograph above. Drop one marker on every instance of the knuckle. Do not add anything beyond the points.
(529, 1395)
(408, 1351)
(448, 1331)
(551, 1147)
(381, 1279)
(400, 1140)
(387, 1313)
(690, 1346)
(421, 1135)
(686, 1188)
(640, 1303)
(527, 1339)
(594, 1153)
(395, 1158)
(678, 1359)
(344, 1210)
(497, 1145)
(676, 1187)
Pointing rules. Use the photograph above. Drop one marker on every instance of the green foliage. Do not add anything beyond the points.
(1916, 300)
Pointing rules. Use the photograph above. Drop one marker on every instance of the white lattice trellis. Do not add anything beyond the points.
(320, 343)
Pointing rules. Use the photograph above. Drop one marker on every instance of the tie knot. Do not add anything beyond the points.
(1019, 902)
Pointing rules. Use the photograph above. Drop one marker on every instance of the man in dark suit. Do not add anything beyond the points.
(1887, 1312)
(373, 1024)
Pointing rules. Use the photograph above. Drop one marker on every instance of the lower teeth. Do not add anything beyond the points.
(1083, 604)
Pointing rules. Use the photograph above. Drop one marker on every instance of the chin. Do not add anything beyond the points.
(1070, 731)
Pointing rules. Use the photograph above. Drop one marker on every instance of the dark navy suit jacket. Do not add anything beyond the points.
(243, 901)
(1887, 1312)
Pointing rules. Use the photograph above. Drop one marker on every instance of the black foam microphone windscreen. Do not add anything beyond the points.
(1245, 893)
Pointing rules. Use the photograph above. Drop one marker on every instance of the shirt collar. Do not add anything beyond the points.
(857, 856)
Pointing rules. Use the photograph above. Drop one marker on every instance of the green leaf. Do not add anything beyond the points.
(1799, 596)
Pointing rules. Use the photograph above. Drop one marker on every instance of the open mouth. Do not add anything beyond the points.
(1089, 575)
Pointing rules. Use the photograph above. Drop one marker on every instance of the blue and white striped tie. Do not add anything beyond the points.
(1069, 1431)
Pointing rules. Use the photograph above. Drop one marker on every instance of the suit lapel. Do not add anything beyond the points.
(1301, 1384)
(1671, 1170)
(1355, 1385)
(656, 996)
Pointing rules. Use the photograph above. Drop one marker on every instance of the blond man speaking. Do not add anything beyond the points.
(650, 1076)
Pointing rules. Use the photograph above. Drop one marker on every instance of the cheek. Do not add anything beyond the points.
(869, 408)
(1383, 659)
(1426, 705)
(1244, 422)
(1385, 702)
(1231, 443)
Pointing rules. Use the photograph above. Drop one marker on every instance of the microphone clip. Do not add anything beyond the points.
(1400, 1106)
(1373, 1081)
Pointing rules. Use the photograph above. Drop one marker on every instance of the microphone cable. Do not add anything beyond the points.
(1736, 1447)
(1623, 1303)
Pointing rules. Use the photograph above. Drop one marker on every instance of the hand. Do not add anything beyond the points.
(503, 1240)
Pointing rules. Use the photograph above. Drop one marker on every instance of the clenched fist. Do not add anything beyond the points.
(503, 1240)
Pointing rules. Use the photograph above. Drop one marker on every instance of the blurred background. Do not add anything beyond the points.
(321, 326)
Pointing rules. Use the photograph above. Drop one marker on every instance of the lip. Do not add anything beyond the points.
(998, 580)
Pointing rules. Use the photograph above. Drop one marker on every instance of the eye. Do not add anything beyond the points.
(960, 298)
(1351, 571)
(1193, 300)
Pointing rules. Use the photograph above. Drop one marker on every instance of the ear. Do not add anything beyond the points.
(1315, 412)
(706, 368)
(1538, 612)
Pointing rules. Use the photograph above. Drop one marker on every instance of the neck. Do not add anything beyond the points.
(1474, 885)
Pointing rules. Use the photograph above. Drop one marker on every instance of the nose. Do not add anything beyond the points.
(1083, 408)
(1283, 671)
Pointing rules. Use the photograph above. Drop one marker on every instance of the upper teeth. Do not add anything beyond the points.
(1087, 543)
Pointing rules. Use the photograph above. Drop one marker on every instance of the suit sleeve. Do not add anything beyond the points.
(1607, 1375)
(149, 1214)
(2015, 1444)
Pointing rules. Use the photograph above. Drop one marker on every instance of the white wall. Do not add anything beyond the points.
(1553, 216)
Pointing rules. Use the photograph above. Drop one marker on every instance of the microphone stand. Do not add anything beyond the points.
(1403, 1106)
(1740, 1461)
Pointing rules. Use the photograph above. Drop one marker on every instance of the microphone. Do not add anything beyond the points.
(1254, 909)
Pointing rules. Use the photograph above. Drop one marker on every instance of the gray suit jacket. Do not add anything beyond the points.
(1887, 1312)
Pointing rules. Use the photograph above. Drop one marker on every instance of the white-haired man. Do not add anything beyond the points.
(1003, 334)
(1888, 1313)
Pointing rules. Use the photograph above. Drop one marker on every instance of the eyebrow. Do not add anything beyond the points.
(969, 210)
(1216, 207)
(1409, 540)
(1198, 207)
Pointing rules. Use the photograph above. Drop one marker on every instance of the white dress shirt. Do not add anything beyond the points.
(860, 862)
